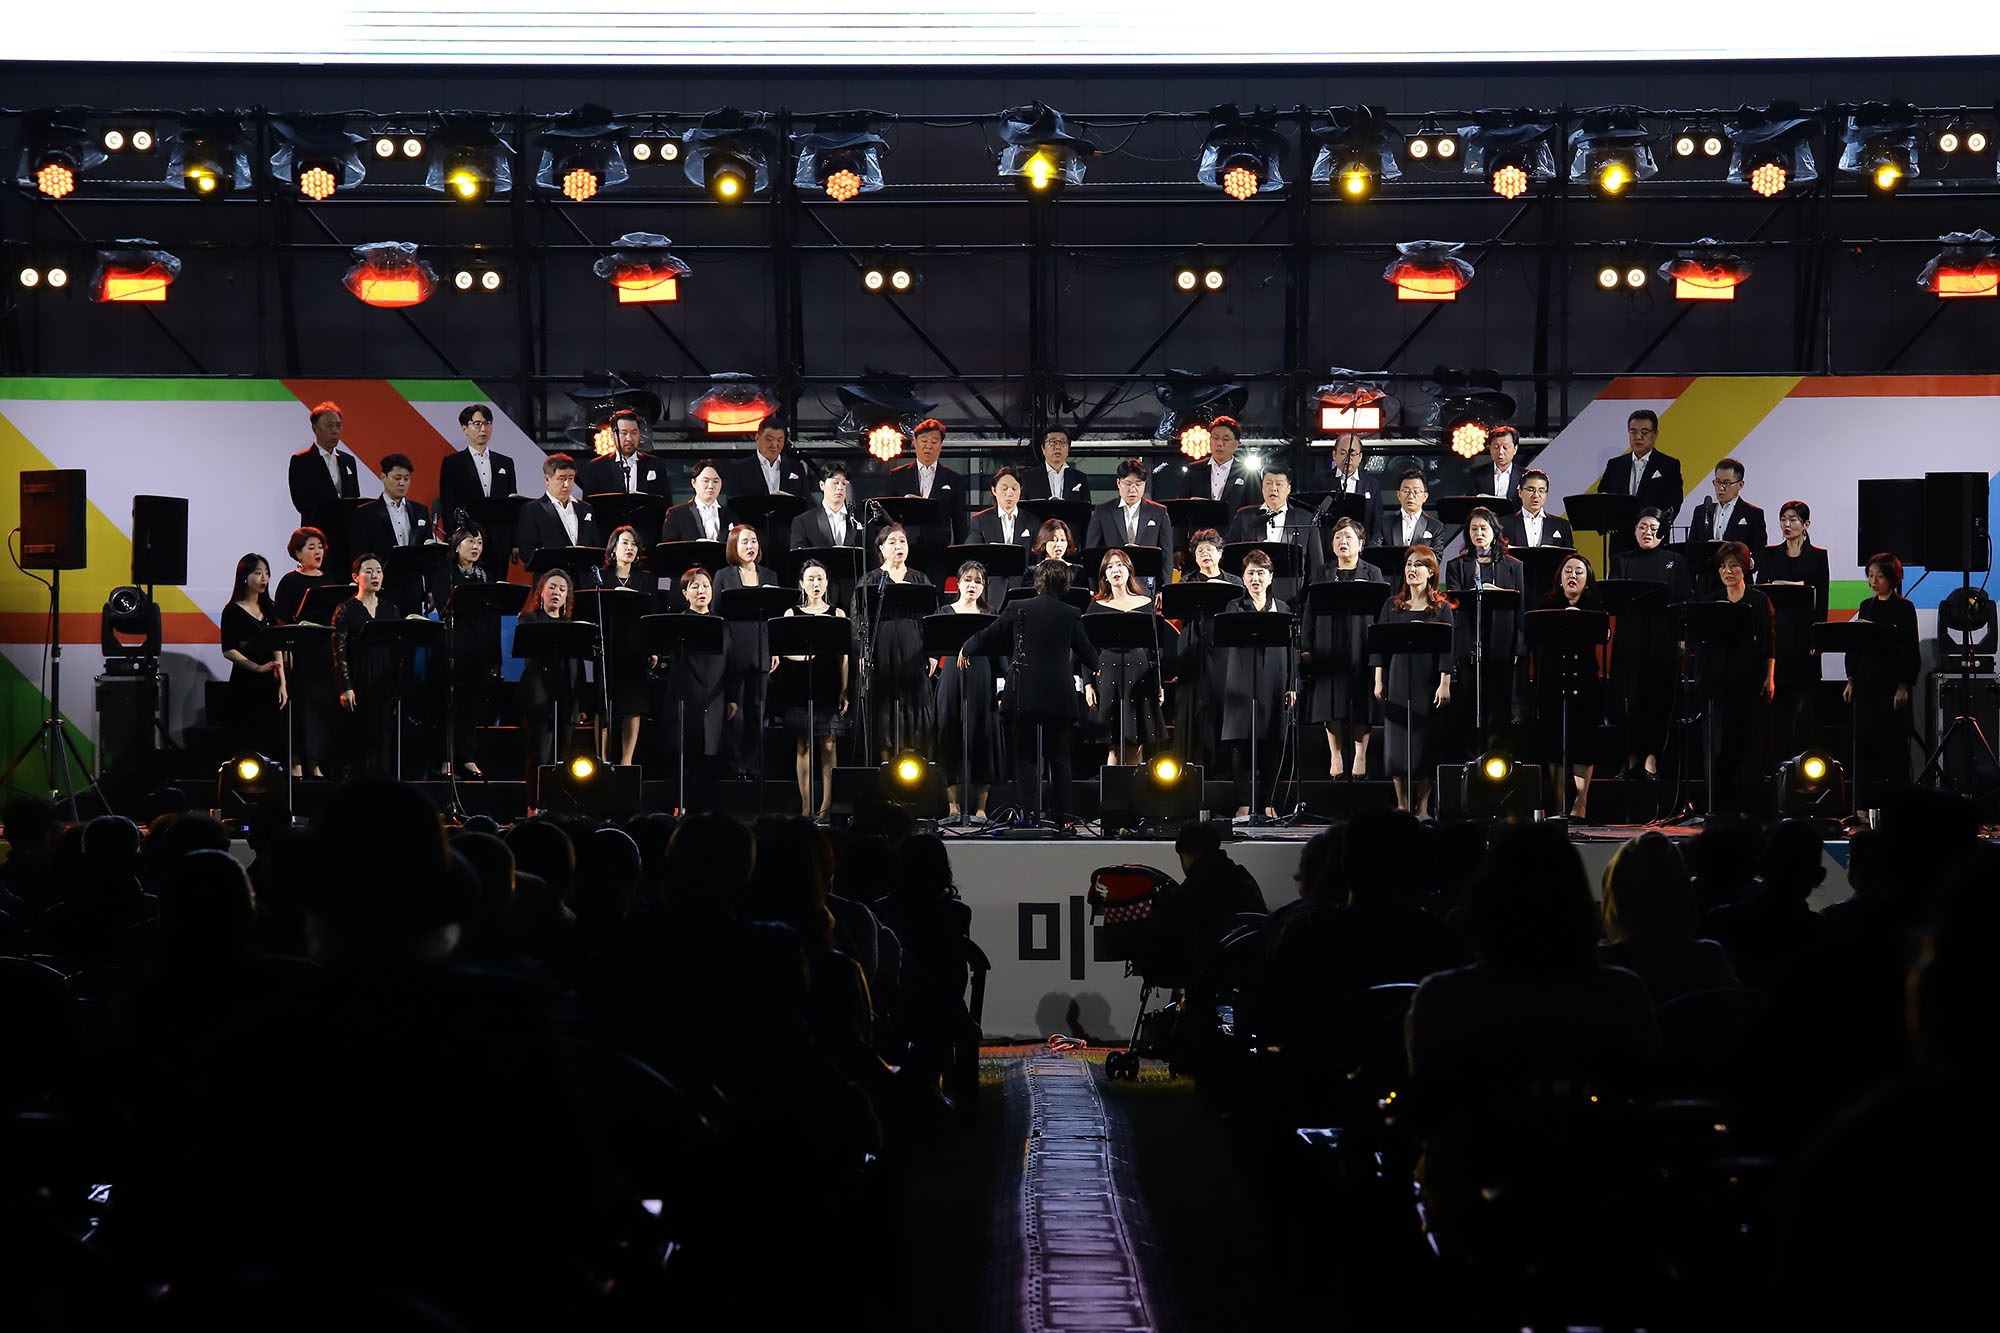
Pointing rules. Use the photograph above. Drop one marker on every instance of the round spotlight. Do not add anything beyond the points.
(31, 277)
(1948, 142)
(1613, 177)
(580, 184)
(1607, 277)
(874, 279)
(385, 147)
(1887, 177)
(55, 174)
(413, 147)
(1976, 141)
(1768, 179)
(202, 178)
(490, 280)
(1166, 769)
(729, 179)
(1420, 148)
(1241, 182)
(58, 277)
(463, 280)
(1814, 768)
(642, 151)
(249, 770)
(1712, 146)
(114, 140)
(1468, 438)
(1635, 278)
(1213, 279)
(1684, 146)
(908, 769)
(1187, 280)
(1447, 147)
(582, 767)
(1357, 183)
(1496, 767)
(901, 280)
(142, 141)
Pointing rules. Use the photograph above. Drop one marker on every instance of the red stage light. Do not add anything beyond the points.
(1239, 182)
(886, 441)
(134, 284)
(1981, 279)
(316, 183)
(391, 291)
(642, 285)
(1431, 286)
(1195, 442)
(580, 183)
(842, 186)
(1705, 286)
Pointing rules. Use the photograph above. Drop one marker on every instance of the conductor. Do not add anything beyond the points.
(1044, 638)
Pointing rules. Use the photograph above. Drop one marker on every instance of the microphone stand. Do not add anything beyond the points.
(866, 626)
(605, 717)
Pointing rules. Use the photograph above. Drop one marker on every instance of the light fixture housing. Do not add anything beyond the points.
(1509, 150)
(469, 161)
(1811, 785)
(1359, 148)
(1879, 144)
(134, 270)
(318, 155)
(1467, 405)
(210, 156)
(842, 157)
(1351, 404)
(733, 404)
(1192, 401)
(1966, 267)
(1242, 155)
(56, 150)
(642, 269)
(1428, 271)
(389, 275)
(728, 154)
(582, 154)
(1705, 271)
(1612, 150)
(879, 410)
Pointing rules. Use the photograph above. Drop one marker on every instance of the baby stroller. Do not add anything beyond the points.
(1128, 899)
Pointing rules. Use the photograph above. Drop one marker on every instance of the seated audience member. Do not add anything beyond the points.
(1650, 923)
(1213, 891)
(1774, 925)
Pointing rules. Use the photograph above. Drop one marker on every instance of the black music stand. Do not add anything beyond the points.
(1287, 560)
(576, 561)
(843, 569)
(418, 563)
(565, 641)
(1256, 630)
(642, 511)
(1345, 505)
(1701, 562)
(1871, 643)
(490, 599)
(1539, 565)
(1077, 596)
(1336, 598)
(912, 511)
(766, 602)
(1074, 513)
(1388, 559)
(1630, 597)
(1148, 562)
(614, 611)
(1488, 601)
(1189, 516)
(679, 636)
(1713, 625)
(945, 632)
(1603, 512)
(1004, 562)
(670, 560)
(1568, 631)
(403, 638)
(322, 602)
(1198, 601)
(289, 639)
(887, 600)
(1430, 638)
(335, 518)
(768, 510)
(1122, 633)
(810, 637)
(1456, 510)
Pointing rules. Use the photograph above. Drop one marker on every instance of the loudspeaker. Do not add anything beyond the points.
(1891, 519)
(52, 519)
(1955, 518)
(159, 540)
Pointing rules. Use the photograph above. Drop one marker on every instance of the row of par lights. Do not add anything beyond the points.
(880, 280)
(56, 277)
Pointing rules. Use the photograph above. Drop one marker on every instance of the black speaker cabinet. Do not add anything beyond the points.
(159, 540)
(1955, 520)
(52, 504)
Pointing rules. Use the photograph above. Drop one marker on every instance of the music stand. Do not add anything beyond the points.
(613, 611)
(1488, 601)
(642, 511)
(1873, 644)
(322, 602)
(1570, 632)
(1345, 505)
(1713, 625)
(1148, 562)
(1190, 516)
(1456, 510)
(403, 638)
(762, 510)
(565, 641)
(1005, 562)
(1255, 630)
(470, 599)
(1074, 513)
(670, 560)
(912, 511)
(843, 569)
(810, 637)
(1287, 560)
(335, 518)
(1077, 596)
(678, 636)
(887, 600)
(1409, 638)
(765, 602)
(1123, 633)
(1388, 559)
(1603, 512)
(945, 633)
(1630, 597)
(288, 639)
(1539, 565)
(414, 563)
(1701, 560)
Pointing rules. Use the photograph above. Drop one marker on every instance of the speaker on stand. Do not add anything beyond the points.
(52, 538)
(1955, 517)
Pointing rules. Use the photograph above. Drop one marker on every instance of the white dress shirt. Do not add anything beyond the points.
(1531, 526)
(333, 467)
(567, 513)
(483, 465)
(1638, 470)
(773, 474)
(1055, 481)
(630, 467)
(1218, 477)
(711, 520)
(399, 520)
(926, 476)
(1503, 482)
(1006, 524)
(1131, 513)
(1412, 522)
(1274, 524)
(836, 523)
(1722, 513)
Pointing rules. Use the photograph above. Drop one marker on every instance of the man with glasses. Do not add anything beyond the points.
(1728, 517)
(1645, 472)
(1534, 525)
(472, 481)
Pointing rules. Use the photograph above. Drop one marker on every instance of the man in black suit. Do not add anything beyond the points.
(1645, 472)
(1005, 524)
(701, 519)
(395, 520)
(1055, 479)
(1277, 519)
(472, 481)
(931, 479)
(1534, 525)
(627, 471)
(1728, 517)
(1043, 636)
(1131, 520)
(559, 518)
(1219, 476)
(1349, 478)
(1409, 523)
(769, 470)
(1499, 474)
(321, 475)
(830, 522)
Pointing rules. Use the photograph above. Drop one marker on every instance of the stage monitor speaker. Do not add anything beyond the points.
(159, 540)
(1955, 519)
(52, 504)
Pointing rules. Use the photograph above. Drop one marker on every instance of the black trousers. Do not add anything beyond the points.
(1042, 739)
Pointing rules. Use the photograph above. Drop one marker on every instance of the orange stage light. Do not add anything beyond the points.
(1768, 179)
(724, 419)
(1433, 286)
(1510, 182)
(1468, 438)
(135, 284)
(1239, 182)
(1350, 418)
(1195, 442)
(1982, 279)
(316, 183)
(842, 186)
(886, 441)
(391, 291)
(580, 183)
(1706, 286)
(604, 442)
(55, 180)
(642, 285)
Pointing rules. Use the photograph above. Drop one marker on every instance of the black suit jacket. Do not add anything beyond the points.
(1555, 531)
(312, 489)
(1035, 483)
(948, 488)
(1746, 525)
(1044, 639)
(1482, 483)
(374, 532)
(1195, 481)
(1660, 488)
(985, 528)
(684, 525)
(1388, 529)
(602, 476)
(1248, 526)
(458, 489)
(1107, 529)
(541, 526)
(811, 529)
(745, 476)
(1367, 487)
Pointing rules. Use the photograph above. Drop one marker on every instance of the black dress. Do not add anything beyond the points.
(631, 664)
(1881, 730)
(747, 675)
(692, 708)
(977, 683)
(900, 711)
(1128, 693)
(1198, 685)
(1254, 682)
(369, 671)
(1339, 683)
(1732, 680)
(315, 705)
(818, 680)
(257, 723)
(1568, 693)
(1413, 725)
(1645, 653)
(1793, 723)
(472, 664)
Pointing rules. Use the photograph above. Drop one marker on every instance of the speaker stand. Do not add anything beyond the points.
(52, 737)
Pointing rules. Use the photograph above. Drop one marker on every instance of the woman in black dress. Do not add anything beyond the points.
(748, 677)
(1258, 685)
(1795, 562)
(1646, 656)
(309, 675)
(548, 691)
(1414, 689)
(900, 715)
(256, 678)
(364, 676)
(695, 711)
(817, 712)
(1738, 679)
(1569, 691)
(473, 658)
(968, 716)
(631, 665)
(1127, 695)
(1198, 679)
(1879, 686)
(1053, 541)
(1334, 663)
(1485, 562)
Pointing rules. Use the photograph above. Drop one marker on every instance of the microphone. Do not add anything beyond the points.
(1324, 506)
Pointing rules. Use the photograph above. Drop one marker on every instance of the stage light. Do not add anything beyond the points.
(1349, 420)
(385, 146)
(728, 155)
(580, 183)
(1213, 280)
(1467, 406)
(468, 161)
(881, 279)
(1195, 441)
(1635, 278)
(902, 280)
(1495, 786)
(732, 405)
(1241, 154)
(1886, 176)
(249, 769)
(1496, 767)
(1351, 405)
(1613, 175)
(1419, 148)
(1612, 150)
(55, 173)
(54, 277)
(729, 179)
(1976, 141)
(1041, 156)
(317, 182)
(1811, 785)
(1357, 180)
(1468, 439)
(885, 441)
(114, 140)
(908, 769)
(469, 178)
(136, 271)
(1768, 179)
(1608, 277)
(646, 150)
(30, 277)
(842, 156)
(582, 768)
(389, 275)
(1966, 267)
(1509, 150)
(244, 779)
(643, 269)
(316, 155)
(1948, 142)
(1447, 147)
(1428, 271)
(210, 155)
(1510, 181)
(1166, 769)
(56, 149)
(1239, 179)
(1193, 402)
(874, 279)
(582, 154)
(1879, 144)
(1163, 789)
(1684, 145)
(477, 279)
(1187, 279)
(1706, 272)
(1771, 147)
